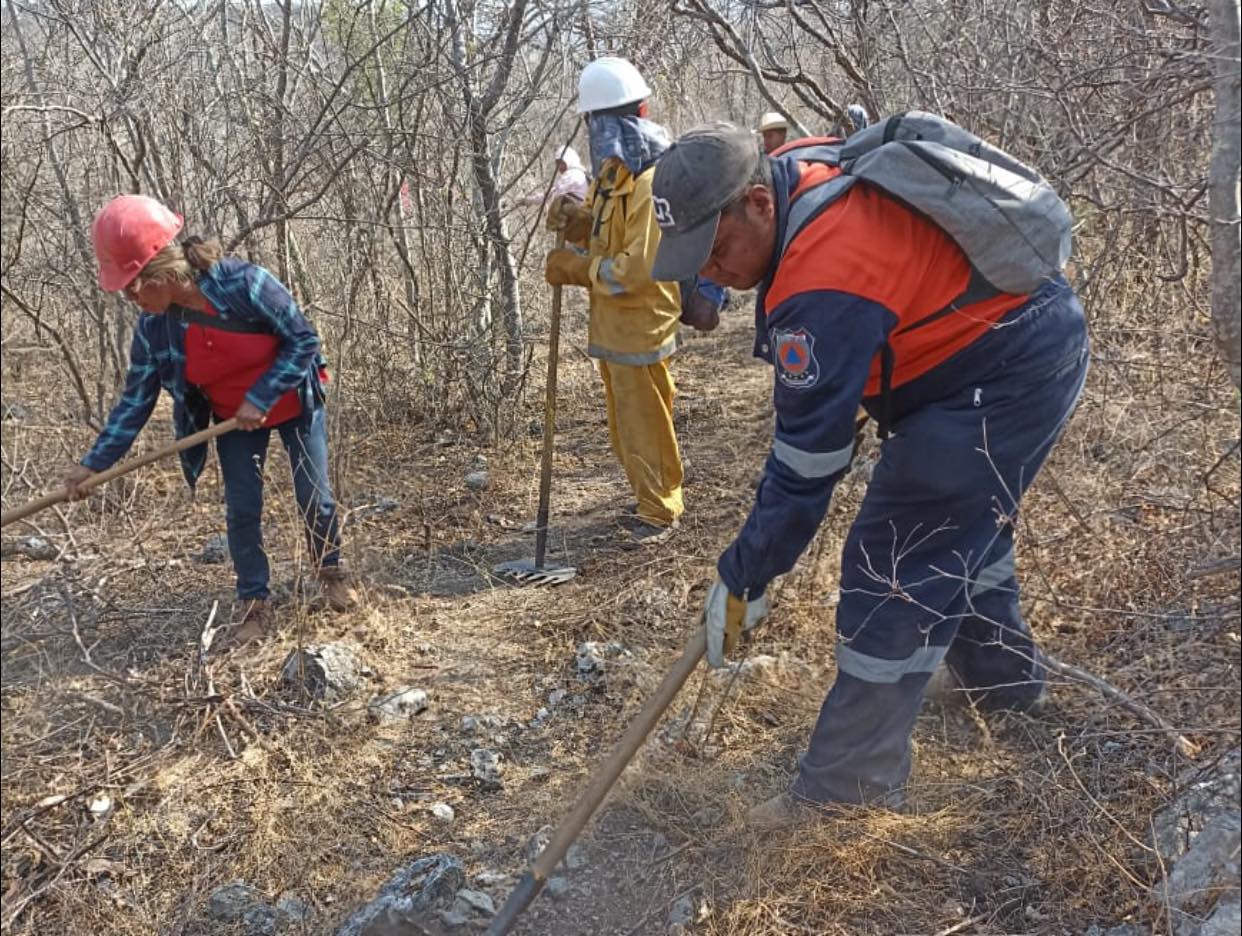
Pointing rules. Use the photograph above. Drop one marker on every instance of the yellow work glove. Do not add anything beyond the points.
(568, 214)
(726, 617)
(567, 268)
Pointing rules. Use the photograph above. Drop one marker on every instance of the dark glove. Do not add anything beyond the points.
(701, 302)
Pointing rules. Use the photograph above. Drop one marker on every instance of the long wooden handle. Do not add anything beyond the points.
(103, 477)
(549, 423)
(532, 882)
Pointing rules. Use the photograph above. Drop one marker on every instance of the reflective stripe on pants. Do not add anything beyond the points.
(927, 568)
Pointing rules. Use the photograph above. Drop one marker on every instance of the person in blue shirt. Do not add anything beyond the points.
(226, 340)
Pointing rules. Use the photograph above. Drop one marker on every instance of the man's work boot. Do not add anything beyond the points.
(782, 811)
(645, 533)
(338, 589)
(944, 688)
(254, 621)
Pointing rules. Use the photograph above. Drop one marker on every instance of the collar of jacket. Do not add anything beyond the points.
(785, 177)
(223, 285)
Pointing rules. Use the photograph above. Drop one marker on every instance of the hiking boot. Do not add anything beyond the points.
(645, 533)
(338, 589)
(782, 811)
(944, 688)
(254, 621)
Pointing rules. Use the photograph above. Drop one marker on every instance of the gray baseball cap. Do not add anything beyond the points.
(700, 174)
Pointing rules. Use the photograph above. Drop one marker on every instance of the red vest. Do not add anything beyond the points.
(225, 365)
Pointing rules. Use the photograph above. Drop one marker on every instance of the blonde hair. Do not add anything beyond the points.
(182, 261)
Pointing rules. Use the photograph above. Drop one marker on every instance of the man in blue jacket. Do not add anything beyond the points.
(867, 302)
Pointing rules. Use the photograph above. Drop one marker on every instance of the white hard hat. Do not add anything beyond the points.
(610, 82)
(569, 156)
(772, 121)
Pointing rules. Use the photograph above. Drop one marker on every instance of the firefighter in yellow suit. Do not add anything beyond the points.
(634, 319)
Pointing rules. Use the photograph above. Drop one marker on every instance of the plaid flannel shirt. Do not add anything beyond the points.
(157, 359)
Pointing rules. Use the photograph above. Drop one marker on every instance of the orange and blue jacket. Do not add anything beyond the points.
(865, 289)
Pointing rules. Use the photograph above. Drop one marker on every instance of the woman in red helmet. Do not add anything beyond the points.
(225, 339)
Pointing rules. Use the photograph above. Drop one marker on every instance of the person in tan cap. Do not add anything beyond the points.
(773, 128)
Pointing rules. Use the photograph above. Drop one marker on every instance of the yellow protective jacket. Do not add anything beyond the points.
(633, 318)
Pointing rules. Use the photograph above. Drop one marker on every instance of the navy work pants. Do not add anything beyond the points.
(242, 457)
(927, 572)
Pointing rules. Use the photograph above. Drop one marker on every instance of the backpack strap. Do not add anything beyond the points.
(813, 202)
(194, 317)
(807, 205)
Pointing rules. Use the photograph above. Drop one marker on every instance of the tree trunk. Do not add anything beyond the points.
(1223, 192)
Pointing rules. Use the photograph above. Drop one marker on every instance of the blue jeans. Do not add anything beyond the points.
(927, 572)
(242, 456)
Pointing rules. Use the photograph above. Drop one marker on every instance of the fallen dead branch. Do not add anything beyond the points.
(1181, 743)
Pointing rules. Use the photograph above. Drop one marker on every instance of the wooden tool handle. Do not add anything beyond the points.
(597, 790)
(549, 423)
(103, 477)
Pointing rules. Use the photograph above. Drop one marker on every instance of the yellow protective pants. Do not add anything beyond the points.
(640, 423)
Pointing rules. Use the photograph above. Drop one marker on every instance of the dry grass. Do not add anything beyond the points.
(1032, 825)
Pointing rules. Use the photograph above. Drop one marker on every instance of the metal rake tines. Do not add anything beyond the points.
(526, 572)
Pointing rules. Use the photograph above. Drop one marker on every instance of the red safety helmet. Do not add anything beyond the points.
(128, 232)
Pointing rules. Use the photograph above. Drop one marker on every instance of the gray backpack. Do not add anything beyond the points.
(1010, 223)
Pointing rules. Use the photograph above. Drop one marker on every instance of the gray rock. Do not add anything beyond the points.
(478, 901)
(292, 910)
(681, 913)
(557, 888)
(410, 903)
(472, 724)
(455, 917)
(538, 842)
(1199, 836)
(231, 902)
(261, 920)
(1226, 919)
(1210, 792)
(594, 657)
(556, 696)
(477, 480)
(215, 550)
(443, 812)
(1209, 867)
(487, 766)
(576, 858)
(405, 702)
(330, 672)
(35, 547)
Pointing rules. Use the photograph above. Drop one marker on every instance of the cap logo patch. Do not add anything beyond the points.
(796, 364)
(663, 212)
